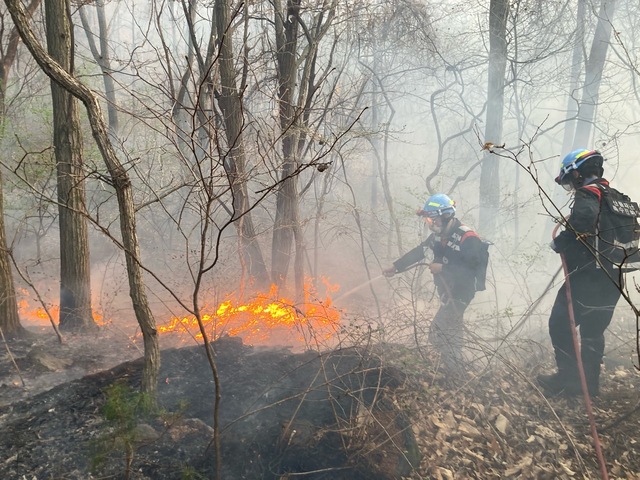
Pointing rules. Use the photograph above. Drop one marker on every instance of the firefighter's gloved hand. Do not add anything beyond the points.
(435, 268)
(553, 246)
(389, 272)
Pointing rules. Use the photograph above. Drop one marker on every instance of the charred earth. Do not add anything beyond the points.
(386, 412)
(280, 413)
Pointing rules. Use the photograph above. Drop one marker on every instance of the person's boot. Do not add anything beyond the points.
(592, 351)
(565, 380)
(561, 382)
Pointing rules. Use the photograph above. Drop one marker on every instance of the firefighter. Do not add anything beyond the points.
(458, 268)
(592, 284)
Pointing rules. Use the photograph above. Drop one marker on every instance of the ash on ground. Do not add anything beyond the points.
(377, 412)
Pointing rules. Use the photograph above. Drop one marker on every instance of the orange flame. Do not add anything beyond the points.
(267, 319)
(38, 316)
(264, 319)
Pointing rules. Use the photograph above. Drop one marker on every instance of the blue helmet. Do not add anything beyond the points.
(437, 205)
(575, 160)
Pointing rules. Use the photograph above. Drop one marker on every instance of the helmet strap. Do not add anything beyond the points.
(577, 180)
(446, 223)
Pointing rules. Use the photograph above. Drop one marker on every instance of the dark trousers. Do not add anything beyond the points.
(446, 334)
(594, 297)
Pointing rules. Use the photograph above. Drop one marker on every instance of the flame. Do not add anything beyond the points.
(38, 316)
(267, 318)
(264, 319)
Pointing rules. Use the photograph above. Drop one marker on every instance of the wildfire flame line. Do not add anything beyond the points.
(266, 318)
(38, 315)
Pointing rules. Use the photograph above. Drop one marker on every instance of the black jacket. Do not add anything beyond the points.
(579, 254)
(460, 253)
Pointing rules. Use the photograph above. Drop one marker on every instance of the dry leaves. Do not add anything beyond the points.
(500, 426)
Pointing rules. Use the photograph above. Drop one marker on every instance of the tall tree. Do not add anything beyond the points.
(593, 73)
(230, 102)
(490, 170)
(577, 61)
(221, 128)
(122, 185)
(286, 21)
(298, 84)
(9, 318)
(75, 279)
(102, 56)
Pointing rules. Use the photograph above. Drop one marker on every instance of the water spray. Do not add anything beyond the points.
(369, 282)
(355, 289)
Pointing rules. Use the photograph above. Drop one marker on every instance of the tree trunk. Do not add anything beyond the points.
(123, 189)
(9, 318)
(75, 280)
(490, 172)
(577, 60)
(286, 26)
(235, 161)
(593, 74)
(103, 59)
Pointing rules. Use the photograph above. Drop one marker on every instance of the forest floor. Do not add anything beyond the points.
(351, 414)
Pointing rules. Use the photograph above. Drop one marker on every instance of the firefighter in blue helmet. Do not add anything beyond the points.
(592, 285)
(458, 256)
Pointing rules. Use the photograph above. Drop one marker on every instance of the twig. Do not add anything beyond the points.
(27, 279)
(11, 357)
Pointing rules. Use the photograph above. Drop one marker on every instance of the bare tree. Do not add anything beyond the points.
(102, 56)
(593, 73)
(216, 87)
(8, 55)
(75, 280)
(297, 86)
(577, 61)
(122, 184)
(230, 102)
(9, 318)
(286, 22)
(490, 173)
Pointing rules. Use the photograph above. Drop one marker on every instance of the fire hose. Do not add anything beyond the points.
(583, 379)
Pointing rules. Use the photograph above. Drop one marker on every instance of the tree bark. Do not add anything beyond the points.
(235, 161)
(9, 317)
(490, 170)
(593, 74)
(123, 189)
(75, 279)
(103, 59)
(286, 26)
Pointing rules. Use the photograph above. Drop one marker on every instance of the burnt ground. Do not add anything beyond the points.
(381, 412)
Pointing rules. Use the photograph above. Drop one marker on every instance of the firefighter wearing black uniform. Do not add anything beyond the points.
(457, 254)
(592, 284)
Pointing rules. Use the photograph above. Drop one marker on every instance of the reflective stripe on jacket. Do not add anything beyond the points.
(459, 253)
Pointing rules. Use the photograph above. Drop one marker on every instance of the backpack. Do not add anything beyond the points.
(618, 236)
(481, 268)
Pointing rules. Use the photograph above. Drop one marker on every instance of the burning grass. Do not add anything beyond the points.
(266, 318)
(39, 316)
